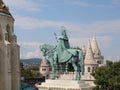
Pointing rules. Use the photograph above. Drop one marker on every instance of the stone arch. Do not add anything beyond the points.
(88, 69)
(98, 62)
(93, 69)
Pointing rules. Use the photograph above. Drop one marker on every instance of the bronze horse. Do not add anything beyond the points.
(73, 56)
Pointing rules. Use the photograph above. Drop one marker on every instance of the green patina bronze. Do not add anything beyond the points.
(61, 54)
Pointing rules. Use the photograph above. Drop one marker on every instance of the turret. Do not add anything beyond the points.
(44, 67)
(95, 47)
(89, 57)
(90, 65)
(96, 51)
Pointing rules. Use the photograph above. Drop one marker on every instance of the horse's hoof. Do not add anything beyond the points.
(53, 78)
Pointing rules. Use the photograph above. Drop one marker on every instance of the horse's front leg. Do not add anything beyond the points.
(75, 69)
(53, 69)
(53, 72)
(77, 75)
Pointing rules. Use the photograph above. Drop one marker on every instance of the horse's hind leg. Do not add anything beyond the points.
(53, 72)
(78, 71)
(66, 68)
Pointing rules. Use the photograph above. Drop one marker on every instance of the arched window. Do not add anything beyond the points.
(93, 69)
(98, 62)
(44, 69)
(7, 32)
(88, 69)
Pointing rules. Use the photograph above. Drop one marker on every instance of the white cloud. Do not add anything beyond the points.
(116, 2)
(28, 5)
(108, 26)
(78, 41)
(29, 44)
(82, 4)
(33, 51)
(104, 41)
(113, 3)
(32, 23)
(78, 3)
(31, 54)
(81, 33)
(30, 49)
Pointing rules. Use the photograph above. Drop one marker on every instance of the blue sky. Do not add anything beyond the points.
(37, 20)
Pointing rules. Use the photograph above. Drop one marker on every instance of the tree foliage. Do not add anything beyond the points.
(35, 68)
(31, 72)
(108, 76)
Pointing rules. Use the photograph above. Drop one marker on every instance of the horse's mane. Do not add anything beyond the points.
(48, 46)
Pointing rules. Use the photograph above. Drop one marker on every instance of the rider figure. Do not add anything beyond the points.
(62, 45)
(63, 42)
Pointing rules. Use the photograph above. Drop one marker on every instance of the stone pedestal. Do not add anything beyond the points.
(88, 78)
(69, 76)
(64, 85)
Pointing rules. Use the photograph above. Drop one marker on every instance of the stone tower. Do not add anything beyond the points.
(90, 62)
(9, 51)
(96, 51)
(44, 68)
(90, 65)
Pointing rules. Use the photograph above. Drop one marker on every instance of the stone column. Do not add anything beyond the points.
(2, 65)
(15, 56)
(8, 67)
(4, 77)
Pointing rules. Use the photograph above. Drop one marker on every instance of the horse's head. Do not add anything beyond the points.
(43, 50)
(46, 49)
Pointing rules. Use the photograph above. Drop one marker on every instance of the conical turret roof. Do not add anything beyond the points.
(44, 62)
(83, 49)
(95, 47)
(4, 10)
(89, 57)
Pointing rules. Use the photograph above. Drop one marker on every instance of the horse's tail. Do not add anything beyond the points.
(81, 60)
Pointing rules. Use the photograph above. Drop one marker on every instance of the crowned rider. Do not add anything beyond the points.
(63, 43)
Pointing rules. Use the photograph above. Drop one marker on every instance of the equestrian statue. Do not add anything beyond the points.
(62, 54)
